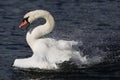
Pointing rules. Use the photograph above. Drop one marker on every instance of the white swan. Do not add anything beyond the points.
(47, 52)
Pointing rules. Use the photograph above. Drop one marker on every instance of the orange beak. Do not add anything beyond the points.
(24, 23)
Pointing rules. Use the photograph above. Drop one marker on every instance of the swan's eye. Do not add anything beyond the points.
(25, 19)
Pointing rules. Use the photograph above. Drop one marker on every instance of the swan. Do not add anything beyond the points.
(47, 52)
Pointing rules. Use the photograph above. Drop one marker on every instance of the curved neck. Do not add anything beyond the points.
(40, 30)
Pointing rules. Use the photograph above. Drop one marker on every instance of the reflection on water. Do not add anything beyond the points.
(95, 23)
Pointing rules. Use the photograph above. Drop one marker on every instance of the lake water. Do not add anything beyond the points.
(94, 23)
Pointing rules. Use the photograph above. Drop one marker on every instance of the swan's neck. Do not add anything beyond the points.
(41, 30)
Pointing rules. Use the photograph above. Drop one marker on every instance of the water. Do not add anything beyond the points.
(94, 23)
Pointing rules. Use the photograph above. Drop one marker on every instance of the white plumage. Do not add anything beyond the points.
(47, 52)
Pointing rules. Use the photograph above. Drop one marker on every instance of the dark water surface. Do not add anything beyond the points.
(94, 23)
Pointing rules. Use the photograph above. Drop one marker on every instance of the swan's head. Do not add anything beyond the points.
(24, 22)
(32, 16)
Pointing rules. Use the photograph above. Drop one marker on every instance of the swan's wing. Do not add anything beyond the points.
(66, 45)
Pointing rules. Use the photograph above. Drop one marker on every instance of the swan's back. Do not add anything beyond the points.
(58, 51)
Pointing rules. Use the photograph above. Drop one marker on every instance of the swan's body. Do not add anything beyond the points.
(47, 52)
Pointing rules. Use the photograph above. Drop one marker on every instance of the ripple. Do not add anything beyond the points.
(94, 22)
(7, 2)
